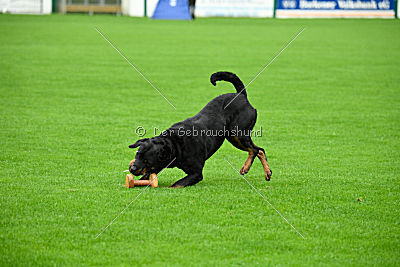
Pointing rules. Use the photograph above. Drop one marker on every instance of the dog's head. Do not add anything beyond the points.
(152, 156)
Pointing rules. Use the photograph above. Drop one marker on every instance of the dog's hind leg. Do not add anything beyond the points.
(249, 161)
(245, 144)
(263, 158)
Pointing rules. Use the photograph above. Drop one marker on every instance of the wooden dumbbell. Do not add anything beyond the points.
(131, 182)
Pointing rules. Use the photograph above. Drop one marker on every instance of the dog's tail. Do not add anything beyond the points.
(229, 77)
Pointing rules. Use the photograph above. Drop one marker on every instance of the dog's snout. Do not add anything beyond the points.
(131, 163)
(132, 168)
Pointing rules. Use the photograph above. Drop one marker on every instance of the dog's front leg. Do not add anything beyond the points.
(189, 180)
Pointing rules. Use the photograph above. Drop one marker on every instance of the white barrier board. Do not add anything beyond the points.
(234, 8)
(26, 6)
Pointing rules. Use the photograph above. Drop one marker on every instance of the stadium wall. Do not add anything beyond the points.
(280, 8)
(234, 8)
(335, 8)
(208, 8)
(136, 8)
(26, 6)
(240, 8)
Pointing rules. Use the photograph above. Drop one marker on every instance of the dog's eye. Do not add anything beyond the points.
(146, 161)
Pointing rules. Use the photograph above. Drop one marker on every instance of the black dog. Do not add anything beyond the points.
(189, 143)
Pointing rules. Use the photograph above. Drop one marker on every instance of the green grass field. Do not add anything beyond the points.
(329, 108)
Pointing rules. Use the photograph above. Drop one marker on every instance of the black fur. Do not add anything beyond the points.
(229, 77)
(191, 151)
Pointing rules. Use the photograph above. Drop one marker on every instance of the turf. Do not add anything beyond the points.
(328, 106)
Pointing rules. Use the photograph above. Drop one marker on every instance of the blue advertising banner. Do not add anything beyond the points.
(335, 8)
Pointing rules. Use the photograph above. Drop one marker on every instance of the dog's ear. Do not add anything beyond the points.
(138, 143)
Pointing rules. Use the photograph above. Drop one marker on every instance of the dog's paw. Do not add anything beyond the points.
(268, 175)
(244, 170)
